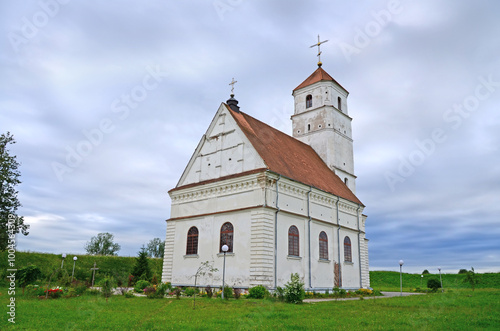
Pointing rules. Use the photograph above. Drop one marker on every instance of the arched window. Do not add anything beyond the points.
(323, 245)
(192, 241)
(347, 250)
(339, 103)
(293, 241)
(346, 181)
(226, 237)
(309, 101)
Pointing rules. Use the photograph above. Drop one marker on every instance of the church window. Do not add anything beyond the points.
(309, 101)
(192, 241)
(308, 127)
(339, 103)
(346, 180)
(323, 245)
(226, 237)
(347, 250)
(293, 241)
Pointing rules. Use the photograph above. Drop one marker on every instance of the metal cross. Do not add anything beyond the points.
(232, 85)
(93, 273)
(319, 51)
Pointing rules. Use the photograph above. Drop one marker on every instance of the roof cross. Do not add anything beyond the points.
(319, 50)
(232, 85)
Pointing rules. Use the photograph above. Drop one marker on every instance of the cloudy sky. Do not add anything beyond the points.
(108, 99)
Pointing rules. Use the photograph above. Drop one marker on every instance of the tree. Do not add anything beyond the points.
(155, 248)
(141, 268)
(433, 284)
(425, 272)
(471, 278)
(28, 275)
(294, 290)
(10, 222)
(102, 244)
(205, 267)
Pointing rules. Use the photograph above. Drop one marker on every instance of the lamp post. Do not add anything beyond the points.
(225, 248)
(401, 262)
(62, 262)
(440, 279)
(421, 280)
(74, 263)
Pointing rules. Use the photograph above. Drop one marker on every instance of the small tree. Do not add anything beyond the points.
(155, 248)
(28, 275)
(462, 271)
(471, 278)
(425, 272)
(107, 285)
(205, 267)
(102, 244)
(294, 290)
(141, 268)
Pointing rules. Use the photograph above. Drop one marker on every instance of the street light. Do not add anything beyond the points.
(421, 280)
(62, 262)
(440, 279)
(401, 262)
(74, 262)
(225, 248)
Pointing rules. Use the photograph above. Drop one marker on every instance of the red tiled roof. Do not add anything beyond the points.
(290, 157)
(317, 76)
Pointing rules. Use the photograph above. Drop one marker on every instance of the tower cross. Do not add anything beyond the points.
(318, 44)
(232, 85)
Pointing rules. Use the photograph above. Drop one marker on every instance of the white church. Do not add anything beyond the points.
(281, 204)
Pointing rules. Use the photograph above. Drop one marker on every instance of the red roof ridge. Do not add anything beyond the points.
(318, 75)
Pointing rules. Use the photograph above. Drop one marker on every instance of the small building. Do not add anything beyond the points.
(282, 204)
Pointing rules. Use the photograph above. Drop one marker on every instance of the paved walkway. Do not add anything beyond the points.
(385, 295)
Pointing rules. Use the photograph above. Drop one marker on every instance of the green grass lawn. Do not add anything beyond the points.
(457, 309)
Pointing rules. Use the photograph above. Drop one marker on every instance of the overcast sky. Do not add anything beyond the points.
(107, 101)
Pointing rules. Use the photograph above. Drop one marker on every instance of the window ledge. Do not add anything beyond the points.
(348, 263)
(293, 257)
(191, 256)
(324, 260)
(227, 254)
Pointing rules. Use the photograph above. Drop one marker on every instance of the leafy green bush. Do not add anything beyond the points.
(189, 291)
(228, 292)
(129, 294)
(462, 271)
(177, 292)
(433, 284)
(425, 272)
(28, 275)
(257, 292)
(150, 292)
(294, 290)
(140, 285)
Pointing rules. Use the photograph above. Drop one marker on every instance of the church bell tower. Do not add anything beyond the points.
(321, 120)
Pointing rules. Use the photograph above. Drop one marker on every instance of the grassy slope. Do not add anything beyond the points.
(113, 265)
(458, 310)
(389, 280)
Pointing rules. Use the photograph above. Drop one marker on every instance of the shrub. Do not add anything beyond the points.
(177, 292)
(129, 294)
(140, 285)
(163, 289)
(228, 292)
(294, 289)
(34, 290)
(257, 292)
(433, 284)
(209, 292)
(462, 271)
(364, 291)
(54, 293)
(189, 291)
(280, 293)
(425, 272)
(236, 293)
(28, 275)
(150, 292)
